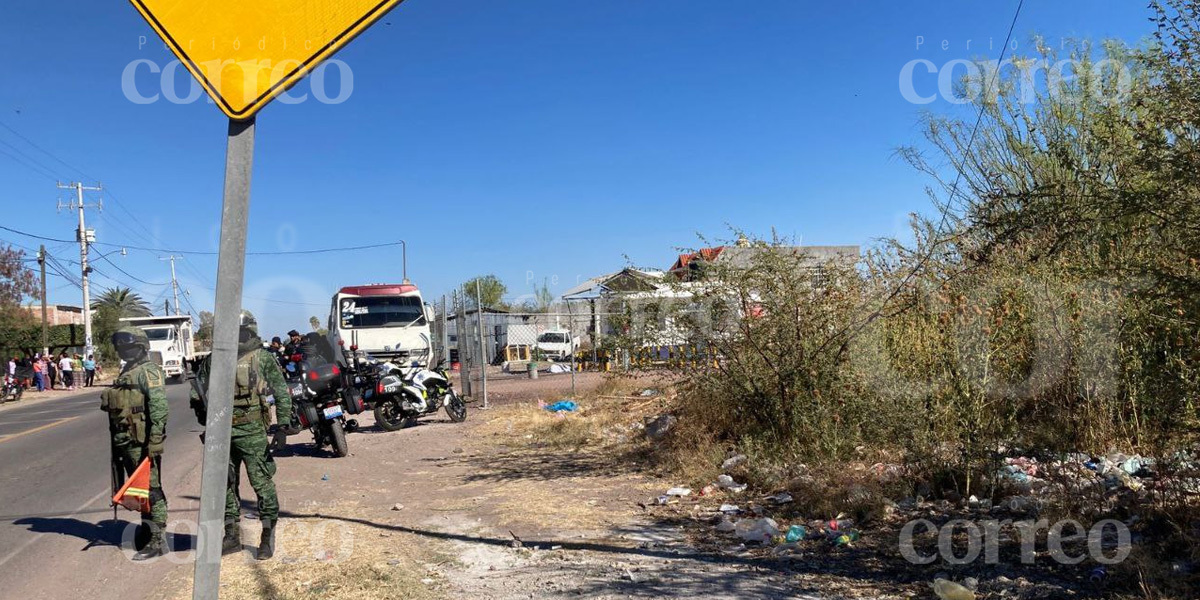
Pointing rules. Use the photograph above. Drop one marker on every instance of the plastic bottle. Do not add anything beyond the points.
(948, 590)
(1098, 575)
(796, 533)
(846, 538)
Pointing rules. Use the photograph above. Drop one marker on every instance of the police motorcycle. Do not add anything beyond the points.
(404, 393)
(321, 398)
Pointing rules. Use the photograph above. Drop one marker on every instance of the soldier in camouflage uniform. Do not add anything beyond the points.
(137, 421)
(258, 376)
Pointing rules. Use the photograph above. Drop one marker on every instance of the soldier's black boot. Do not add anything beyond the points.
(141, 535)
(232, 542)
(266, 545)
(157, 546)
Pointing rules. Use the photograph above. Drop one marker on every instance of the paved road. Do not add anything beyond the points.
(57, 536)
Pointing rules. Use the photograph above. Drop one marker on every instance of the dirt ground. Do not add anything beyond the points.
(473, 510)
(522, 503)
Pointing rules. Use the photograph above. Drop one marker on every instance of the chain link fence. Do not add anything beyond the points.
(504, 355)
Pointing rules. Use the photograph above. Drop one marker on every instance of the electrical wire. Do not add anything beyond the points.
(945, 209)
(127, 274)
(211, 253)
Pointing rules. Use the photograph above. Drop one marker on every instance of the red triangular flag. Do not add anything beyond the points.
(135, 494)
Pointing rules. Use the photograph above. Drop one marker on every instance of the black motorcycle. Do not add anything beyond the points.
(320, 397)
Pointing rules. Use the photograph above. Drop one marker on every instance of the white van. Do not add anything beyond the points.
(387, 321)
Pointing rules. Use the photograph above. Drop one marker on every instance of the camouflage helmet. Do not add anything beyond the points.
(248, 328)
(131, 336)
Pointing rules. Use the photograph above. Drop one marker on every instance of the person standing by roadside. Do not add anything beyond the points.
(137, 408)
(39, 373)
(68, 371)
(257, 377)
(89, 370)
(51, 371)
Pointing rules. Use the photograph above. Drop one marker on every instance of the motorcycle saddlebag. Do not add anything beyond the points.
(353, 401)
(308, 414)
(322, 377)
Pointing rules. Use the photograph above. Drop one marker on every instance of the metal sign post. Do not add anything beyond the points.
(231, 267)
(251, 39)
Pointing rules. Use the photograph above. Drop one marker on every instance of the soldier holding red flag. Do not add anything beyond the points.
(137, 417)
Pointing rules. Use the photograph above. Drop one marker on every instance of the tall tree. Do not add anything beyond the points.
(123, 302)
(16, 283)
(204, 331)
(486, 290)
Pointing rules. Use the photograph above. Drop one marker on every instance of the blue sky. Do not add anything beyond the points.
(543, 138)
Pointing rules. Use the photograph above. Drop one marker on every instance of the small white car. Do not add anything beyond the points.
(557, 344)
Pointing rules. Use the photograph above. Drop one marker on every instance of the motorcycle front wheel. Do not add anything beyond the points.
(389, 416)
(338, 436)
(455, 407)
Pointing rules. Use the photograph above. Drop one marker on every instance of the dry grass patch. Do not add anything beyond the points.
(581, 470)
(335, 555)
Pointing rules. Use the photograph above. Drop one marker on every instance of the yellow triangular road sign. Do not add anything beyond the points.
(246, 52)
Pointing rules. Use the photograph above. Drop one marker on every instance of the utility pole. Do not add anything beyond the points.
(483, 359)
(45, 329)
(174, 282)
(85, 237)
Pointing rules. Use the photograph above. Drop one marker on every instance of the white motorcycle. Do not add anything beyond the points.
(402, 394)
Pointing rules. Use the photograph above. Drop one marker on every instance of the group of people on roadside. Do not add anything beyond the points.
(45, 372)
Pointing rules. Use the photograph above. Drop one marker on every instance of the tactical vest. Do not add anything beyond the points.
(249, 393)
(126, 407)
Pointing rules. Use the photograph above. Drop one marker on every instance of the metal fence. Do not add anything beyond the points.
(503, 355)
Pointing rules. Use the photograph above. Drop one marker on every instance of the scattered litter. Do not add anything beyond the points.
(725, 525)
(1098, 575)
(733, 462)
(761, 531)
(427, 581)
(658, 427)
(726, 482)
(1022, 504)
(648, 392)
(781, 498)
(397, 507)
(325, 477)
(796, 533)
(840, 524)
(563, 406)
(557, 368)
(846, 538)
(679, 491)
(948, 590)
(730, 508)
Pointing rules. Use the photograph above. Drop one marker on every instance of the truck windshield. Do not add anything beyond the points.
(382, 311)
(553, 338)
(158, 334)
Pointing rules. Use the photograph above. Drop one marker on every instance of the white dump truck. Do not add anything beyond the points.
(171, 344)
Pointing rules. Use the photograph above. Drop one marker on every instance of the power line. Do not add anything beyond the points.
(39, 171)
(127, 274)
(44, 151)
(198, 252)
(945, 209)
